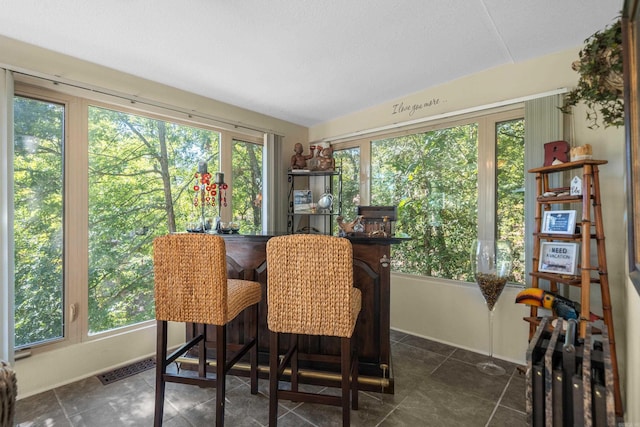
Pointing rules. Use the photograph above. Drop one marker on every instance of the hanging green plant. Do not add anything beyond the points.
(600, 86)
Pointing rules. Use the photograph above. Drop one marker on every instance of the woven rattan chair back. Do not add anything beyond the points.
(310, 288)
(191, 278)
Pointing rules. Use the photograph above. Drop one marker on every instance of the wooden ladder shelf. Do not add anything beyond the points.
(590, 228)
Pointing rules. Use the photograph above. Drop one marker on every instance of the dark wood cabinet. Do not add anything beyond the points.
(246, 259)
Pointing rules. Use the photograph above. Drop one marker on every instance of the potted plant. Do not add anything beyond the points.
(600, 86)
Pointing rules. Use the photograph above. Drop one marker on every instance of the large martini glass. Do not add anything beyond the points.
(491, 263)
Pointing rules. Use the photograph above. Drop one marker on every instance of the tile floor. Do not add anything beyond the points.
(435, 385)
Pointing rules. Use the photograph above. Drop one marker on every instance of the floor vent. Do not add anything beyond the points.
(127, 371)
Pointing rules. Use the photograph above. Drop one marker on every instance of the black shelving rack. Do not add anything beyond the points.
(306, 221)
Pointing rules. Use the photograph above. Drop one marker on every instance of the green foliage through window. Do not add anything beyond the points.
(349, 160)
(38, 219)
(510, 191)
(141, 178)
(246, 159)
(432, 178)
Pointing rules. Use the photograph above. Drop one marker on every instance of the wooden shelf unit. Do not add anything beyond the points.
(327, 216)
(591, 228)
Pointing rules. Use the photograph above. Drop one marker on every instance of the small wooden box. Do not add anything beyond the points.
(378, 218)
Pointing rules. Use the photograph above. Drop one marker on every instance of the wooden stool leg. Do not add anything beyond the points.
(161, 368)
(355, 362)
(345, 384)
(254, 352)
(202, 351)
(294, 362)
(273, 378)
(221, 361)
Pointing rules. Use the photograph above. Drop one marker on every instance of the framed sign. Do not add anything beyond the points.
(560, 258)
(302, 201)
(559, 222)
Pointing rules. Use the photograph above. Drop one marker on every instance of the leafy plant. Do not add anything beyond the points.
(600, 86)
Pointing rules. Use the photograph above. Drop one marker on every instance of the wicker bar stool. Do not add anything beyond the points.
(191, 286)
(8, 393)
(310, 292)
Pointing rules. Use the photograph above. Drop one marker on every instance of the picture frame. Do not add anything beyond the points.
(558, 258)
(559, 222)
(631, 52)
(302, 201)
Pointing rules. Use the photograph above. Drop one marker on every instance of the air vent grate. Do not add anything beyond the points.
(126, 371)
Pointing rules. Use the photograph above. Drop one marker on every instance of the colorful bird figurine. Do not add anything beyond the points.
(561, 306)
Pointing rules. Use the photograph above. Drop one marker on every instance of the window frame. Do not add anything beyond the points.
(76, 103)
(487, 146)
(69, 131)
(236, 138)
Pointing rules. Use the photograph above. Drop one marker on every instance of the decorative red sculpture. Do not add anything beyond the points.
(556, 150)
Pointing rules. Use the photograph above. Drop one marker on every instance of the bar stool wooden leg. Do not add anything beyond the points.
(254, 352)
(274, 342)
(355, 366)
(202, 351)
(345, 369)
(293, 344)
(161, 368)
(221, 361)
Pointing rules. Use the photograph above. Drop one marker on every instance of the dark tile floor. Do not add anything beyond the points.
(435, 385)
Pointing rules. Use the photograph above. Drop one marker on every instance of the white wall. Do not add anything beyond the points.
(455, 313)
(499, 84)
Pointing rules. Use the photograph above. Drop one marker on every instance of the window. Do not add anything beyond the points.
(141, 180)
(247, 186)
(451, 183)
(38, 221)
(138, 170)
(510, 190)
(432, 177)
(349, 160)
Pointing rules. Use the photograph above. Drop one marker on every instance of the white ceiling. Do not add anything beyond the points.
(306, 62)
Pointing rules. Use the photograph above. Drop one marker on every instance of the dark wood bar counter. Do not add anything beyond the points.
(246, 259)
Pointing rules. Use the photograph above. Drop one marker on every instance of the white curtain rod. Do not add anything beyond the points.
(56, 80)
(398, 125)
